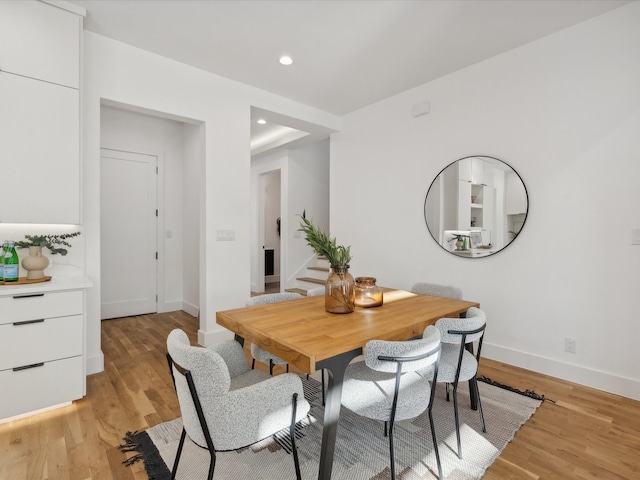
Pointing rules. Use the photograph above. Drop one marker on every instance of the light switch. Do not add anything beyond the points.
(225, 235)
(635, 236)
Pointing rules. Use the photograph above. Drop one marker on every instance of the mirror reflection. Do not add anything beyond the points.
(476, 206)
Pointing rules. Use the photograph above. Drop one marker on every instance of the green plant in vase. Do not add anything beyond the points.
(55, 243)
(340, 286)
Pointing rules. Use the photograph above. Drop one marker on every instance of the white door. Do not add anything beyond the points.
(128, 235)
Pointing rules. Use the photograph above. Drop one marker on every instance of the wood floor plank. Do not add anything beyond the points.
(582, 434)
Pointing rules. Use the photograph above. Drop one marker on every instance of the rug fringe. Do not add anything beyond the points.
(526, 393)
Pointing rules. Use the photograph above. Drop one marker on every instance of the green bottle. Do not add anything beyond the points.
(4, 244)
(11, 263)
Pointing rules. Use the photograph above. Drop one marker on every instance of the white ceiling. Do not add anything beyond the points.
(347, 54)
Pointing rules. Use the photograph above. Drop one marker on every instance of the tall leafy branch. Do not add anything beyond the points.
(323, 244)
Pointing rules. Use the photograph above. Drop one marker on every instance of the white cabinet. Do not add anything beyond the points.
(40, 151)
(40, 114)
(476, 206)
(41, 349)
(40, 41)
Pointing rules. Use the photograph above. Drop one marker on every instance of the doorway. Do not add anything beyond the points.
(128, 233)
(269, 231)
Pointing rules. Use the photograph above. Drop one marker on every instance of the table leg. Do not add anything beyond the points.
(335, 367)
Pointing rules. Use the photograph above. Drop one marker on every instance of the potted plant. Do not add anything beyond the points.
(35, 262)
(339, 287)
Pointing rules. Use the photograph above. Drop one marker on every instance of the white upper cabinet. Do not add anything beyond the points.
(38, 40)
(39, 150)
(40, 112)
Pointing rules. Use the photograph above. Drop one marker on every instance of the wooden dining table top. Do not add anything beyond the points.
(302, 333)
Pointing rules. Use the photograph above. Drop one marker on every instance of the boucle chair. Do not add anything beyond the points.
(437, 290)
(316, 292)
(258, 353)
(456, 362)
(386, 386)
(222, 401)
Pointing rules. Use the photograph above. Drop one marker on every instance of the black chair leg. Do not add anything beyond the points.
(322, 374)
(391, 452)
(270, 366)
(253, 364)
(484, 428)
(174, 471)
(435, 444)
(292, 433)
(457, 418)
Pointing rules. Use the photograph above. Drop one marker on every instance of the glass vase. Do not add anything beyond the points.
(368, 294)
(340, 290)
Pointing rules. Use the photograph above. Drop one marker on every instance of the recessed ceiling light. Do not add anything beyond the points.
(261, 121)
(286, 60)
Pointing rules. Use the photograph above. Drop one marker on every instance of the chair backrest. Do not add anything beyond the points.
(410, 355)
(188, 365)
(437, 290)
(467, 329)
(405, 356)
(316, 292)
(272, 298)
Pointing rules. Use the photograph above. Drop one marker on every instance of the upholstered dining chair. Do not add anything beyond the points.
(385, 386)
(316, 292)
(437, 290)
(259, 353)
(222, 401)
(456, 362)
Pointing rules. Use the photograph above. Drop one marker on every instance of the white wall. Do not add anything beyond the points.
(120, 73)
(563, 111)
(308, 190)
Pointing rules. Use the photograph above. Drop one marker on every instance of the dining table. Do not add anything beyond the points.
(309, 338)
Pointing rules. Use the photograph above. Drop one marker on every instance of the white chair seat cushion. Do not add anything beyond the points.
(369, 393)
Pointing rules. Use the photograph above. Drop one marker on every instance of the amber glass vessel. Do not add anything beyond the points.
(368, 294)
(340, 291)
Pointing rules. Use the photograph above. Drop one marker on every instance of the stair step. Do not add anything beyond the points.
(320, 269)
(301, 291)
(319, 281)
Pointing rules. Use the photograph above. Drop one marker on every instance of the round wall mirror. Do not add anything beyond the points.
(476, 206)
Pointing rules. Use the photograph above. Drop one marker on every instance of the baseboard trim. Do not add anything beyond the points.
(95, 363)
(169, 307)
(607, 382)
(217, 335)
(191, 309)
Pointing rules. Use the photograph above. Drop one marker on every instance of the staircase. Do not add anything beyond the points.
(315, 277)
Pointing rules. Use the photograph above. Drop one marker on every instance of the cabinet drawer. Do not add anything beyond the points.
(50, 339)
(35, 306)
(44, 386)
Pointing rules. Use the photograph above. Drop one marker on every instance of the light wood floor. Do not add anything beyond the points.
(584, 434)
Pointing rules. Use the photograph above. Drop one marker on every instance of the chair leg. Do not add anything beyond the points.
(253, 364)
(270, 366)
(484, 428)
(435, 444)
(391, 453)
(292, 434)
(455, 412)
(174, 471)
(446, 386)
(322, 375)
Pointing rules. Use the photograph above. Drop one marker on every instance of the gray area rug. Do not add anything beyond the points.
(362, 451)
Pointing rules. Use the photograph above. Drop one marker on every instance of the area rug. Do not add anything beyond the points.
(362, 450)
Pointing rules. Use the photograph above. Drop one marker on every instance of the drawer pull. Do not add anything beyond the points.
(26, 367)
(29, 295)
(28, 322)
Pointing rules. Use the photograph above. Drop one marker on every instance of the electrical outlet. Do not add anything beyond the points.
(570, 344)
